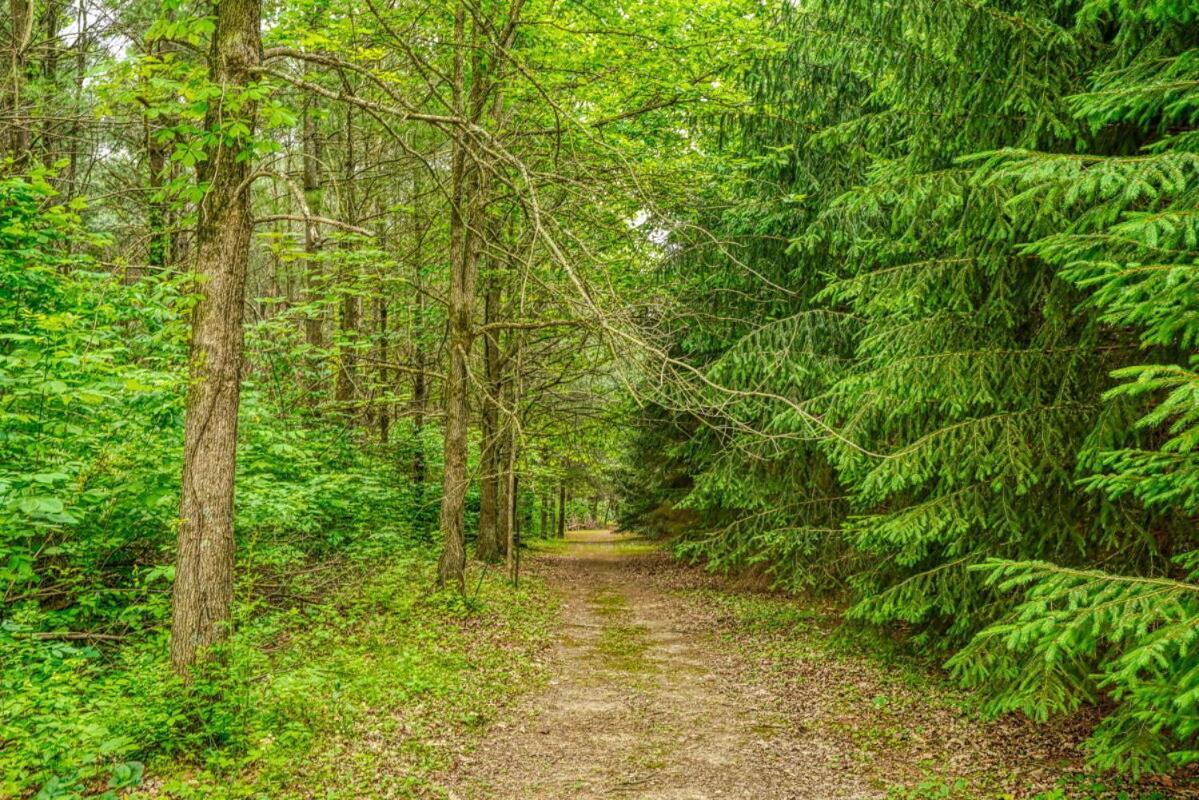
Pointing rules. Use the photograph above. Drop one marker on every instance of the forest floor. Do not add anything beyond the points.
(664, 684)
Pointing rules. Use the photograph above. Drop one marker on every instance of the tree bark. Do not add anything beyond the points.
(20, 15)
(512, 506)
(487, 546)
(160, 237)
(420, 386)
(313, 327)
(561, 510)
(420, 401)
(518, 514)
(346, 390)
(384, 378)
(81, 44)
(451, 568)
(505, 452)
(349, 321)
(511, 553)
(203, 590)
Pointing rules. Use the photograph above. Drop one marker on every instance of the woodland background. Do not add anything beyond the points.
(892, 302)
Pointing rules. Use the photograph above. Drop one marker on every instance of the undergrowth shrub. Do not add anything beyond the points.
(91, 390)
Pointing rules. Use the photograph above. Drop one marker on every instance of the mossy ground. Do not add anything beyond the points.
(622, 644)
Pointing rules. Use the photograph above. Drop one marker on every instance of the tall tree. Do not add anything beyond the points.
(460, 308)
(203, 591)
(488, 542)
(21, 19)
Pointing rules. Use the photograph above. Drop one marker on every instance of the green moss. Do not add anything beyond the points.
(546, 545)
(621, 645)
(608, 602)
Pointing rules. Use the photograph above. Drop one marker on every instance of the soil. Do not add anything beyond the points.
(659, 691)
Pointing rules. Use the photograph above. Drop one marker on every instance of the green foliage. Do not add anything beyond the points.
(1082, 634)
(954, 370)
(932, 789)
(91, 387)
(1123, 228)
(89, 413)
(294, 680)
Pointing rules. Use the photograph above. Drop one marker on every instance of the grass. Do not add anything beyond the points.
(621, 646)
(551, 546)
(357, 696)
(390, 675)
(620, 544)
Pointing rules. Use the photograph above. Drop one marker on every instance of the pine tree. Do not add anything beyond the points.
(1120, 224)
(946, 224)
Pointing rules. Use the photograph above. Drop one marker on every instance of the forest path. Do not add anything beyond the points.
(643, 701)
(666, 685)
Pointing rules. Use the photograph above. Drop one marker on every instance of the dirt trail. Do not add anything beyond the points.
(642, 704)
(668, 685)
(665, 685)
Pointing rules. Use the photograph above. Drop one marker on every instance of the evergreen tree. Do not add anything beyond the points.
(982, 203)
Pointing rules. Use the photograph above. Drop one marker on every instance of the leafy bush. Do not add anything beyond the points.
(91, 387)
(89, 414)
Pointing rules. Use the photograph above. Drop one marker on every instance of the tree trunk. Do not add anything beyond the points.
(21, 18)
(203, 591)
(420, 400)
(349, 321)
(487, 546)
(451, 568)
(543, 529)
(346, 390)
(512, 531)
(561, 510)
(503, 502)
(160, 237)
(518, 514)
(511, 552)
(82, 39)
(505, 394)
(420, 386)
(313, 333)
(50, 136)
(385, 376)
